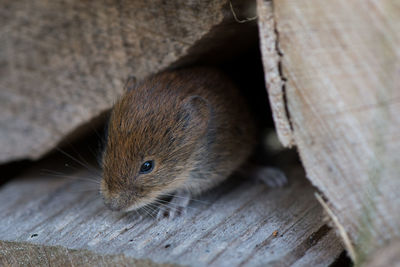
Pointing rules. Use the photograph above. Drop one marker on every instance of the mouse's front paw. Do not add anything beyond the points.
(270, 176)
(176, 207)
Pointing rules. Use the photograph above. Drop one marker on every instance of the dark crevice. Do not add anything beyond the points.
(342, 261)
(298, 252)
(10, 170)
(316, 236)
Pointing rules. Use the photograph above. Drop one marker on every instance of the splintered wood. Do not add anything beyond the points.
(239, 223)
(340, 63)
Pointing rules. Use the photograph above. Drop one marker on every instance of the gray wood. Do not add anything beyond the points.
(274, 80)
(64, 62)
(388, 255)
(25, 254)
(338, 86)
(239, 223)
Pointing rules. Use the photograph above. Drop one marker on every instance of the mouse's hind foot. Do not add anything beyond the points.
(175, 207)
(270, 176)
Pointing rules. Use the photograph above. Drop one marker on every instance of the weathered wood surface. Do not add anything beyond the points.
(340, 80)
(271, 59)
(388, 255)
(239, 223)
(64, 62)
(25, 254)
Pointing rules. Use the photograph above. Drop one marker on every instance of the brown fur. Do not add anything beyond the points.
(193, 123)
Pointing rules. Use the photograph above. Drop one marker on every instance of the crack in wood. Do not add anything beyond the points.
(280, 71)
(303, 247)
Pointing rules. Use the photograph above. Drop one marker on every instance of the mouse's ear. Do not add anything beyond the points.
(130, 83)
(195, 114)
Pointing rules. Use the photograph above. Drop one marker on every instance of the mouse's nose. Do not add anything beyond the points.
(116, 201)
(113, 204)
(113, 200)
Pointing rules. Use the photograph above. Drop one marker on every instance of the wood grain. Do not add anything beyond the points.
(240, 223)
(25, 254)
(275, 82)
(341, 65)
(64, 62)
(388, 255)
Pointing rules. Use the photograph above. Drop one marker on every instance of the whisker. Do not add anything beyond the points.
(137, 213)
(192, 199)
(72, 196)
(92, 187)
(48, 171)
(161, 205)
(143, 208)
(101, 137)
(79, 155)
(169, 204)
(96, 155)
(152, 208)
(166, 206)
(79, 169)
(84, 191)
(149, 213)
(89, 168)
(74, 177)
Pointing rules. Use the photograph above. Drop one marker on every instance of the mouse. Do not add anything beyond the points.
(177, 133)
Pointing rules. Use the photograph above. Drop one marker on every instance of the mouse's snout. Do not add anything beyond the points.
(114, 204)
(119, 201)
(116, 201)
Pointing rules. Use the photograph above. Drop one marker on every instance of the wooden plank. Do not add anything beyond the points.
(239, 223)
(340, 62)
(25, 254)
(64, 62)
(275, 82)
(388, 255)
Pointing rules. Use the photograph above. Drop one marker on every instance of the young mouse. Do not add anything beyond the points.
(178, 132)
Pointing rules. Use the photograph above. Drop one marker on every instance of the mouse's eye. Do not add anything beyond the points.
(147, 166)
